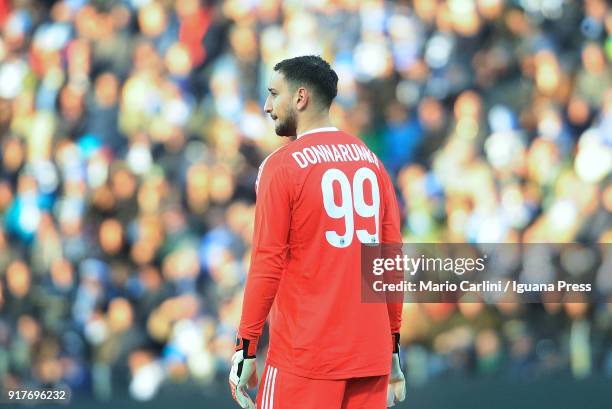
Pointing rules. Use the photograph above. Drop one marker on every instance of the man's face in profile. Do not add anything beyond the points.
(279, 105)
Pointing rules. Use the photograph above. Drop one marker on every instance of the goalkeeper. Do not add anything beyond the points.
(319, 197)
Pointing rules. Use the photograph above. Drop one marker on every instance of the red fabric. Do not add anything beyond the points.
(319, 328)
(283, 390)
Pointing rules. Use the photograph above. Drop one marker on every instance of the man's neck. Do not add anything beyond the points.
(307, 125)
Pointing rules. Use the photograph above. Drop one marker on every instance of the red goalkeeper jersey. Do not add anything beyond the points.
(318, 198)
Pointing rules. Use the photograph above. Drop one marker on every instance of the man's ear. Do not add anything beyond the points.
(302, 98)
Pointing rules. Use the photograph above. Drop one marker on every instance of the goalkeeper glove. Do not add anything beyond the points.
(396, 391)
(243, 373)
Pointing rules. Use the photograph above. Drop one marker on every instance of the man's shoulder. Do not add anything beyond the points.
(272, 163)
(277, 157)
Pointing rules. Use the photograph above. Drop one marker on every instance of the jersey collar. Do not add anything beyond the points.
(325, 129)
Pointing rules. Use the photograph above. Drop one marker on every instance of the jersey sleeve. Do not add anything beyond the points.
(269, 250)
(392, 242)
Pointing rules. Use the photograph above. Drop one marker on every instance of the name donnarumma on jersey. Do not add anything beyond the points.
(333, 153)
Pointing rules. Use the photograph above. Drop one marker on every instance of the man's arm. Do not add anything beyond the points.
(392, 247)
(268, 259)
(391, 240)
(269, 252)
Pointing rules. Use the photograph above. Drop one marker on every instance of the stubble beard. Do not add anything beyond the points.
(288, 127)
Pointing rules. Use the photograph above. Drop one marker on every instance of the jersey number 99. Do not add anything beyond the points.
(352, 202)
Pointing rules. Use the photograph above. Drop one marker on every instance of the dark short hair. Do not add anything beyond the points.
(313, 72)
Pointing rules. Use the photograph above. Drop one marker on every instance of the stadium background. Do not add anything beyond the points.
(130, 136)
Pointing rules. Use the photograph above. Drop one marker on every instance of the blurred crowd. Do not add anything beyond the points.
(131, 132)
